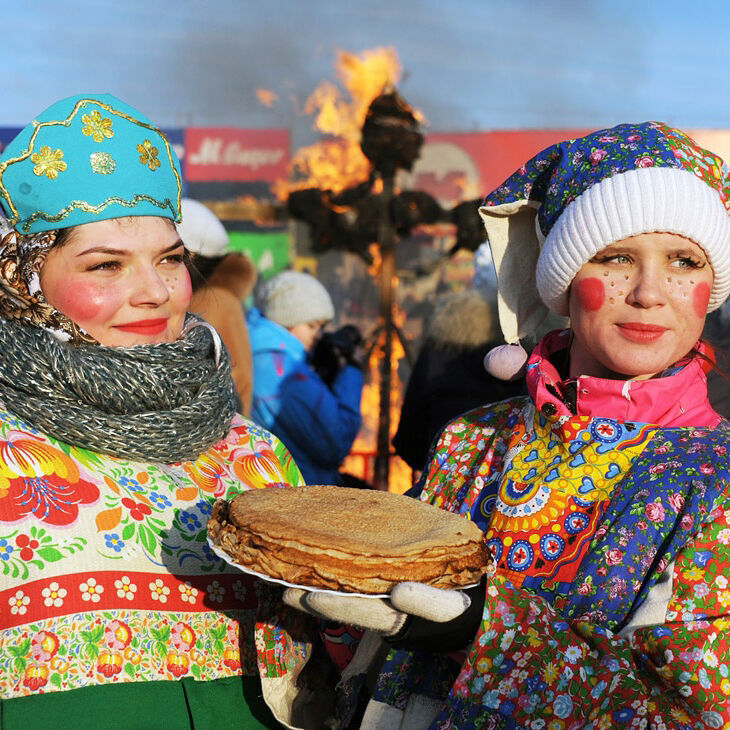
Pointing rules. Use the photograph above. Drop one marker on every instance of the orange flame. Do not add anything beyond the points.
(266, 97)
(400, 476)
(338, 162)
(374, 267)
(362, 455)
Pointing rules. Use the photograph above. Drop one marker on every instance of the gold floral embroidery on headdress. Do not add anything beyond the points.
(48, 162)
(96, 126)
(102, 163)
(148, 155)
(83, 183)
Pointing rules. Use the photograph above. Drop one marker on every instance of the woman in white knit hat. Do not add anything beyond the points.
(317, 422)
(604, 495)
(222, 280)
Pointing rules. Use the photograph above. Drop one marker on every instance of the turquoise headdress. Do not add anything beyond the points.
(88, 158)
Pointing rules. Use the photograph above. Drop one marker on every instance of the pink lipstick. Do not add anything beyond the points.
(640, 332)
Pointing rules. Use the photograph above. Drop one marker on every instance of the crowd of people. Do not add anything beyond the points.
(134, 390)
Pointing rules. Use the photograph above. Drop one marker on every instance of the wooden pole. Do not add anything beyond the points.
(387, 276)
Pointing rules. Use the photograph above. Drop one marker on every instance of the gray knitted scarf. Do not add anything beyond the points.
(167, 403)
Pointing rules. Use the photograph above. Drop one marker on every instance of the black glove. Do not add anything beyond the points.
(334, 350)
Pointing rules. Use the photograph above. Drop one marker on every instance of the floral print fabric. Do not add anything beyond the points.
(585, 516)
(106, 572)
(564, 171)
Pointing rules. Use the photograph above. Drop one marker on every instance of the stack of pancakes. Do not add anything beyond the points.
(350, 540)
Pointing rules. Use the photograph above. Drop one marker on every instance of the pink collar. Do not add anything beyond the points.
(675, 400)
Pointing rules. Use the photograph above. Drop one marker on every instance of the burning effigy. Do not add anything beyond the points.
(345, 188)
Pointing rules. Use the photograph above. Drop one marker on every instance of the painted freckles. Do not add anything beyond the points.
(124, 281)
(638, 306)
(591, 292)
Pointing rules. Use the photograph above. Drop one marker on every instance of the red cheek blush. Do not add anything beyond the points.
(81, 303)
(590, 293)
(701, 298)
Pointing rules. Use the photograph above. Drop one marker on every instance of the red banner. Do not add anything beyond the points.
(468, 165)
(236, 155)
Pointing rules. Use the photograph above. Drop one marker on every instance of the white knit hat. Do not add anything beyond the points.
(201, 231)
(638, 201)
(293, 297)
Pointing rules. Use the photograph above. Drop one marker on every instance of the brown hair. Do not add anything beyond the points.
(712, 362)
(200, 267)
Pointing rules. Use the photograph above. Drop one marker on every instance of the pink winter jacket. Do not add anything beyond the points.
(673, 400)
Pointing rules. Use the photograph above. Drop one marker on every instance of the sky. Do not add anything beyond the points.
(467, 65)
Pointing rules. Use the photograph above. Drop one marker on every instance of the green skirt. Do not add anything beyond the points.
(232, 703)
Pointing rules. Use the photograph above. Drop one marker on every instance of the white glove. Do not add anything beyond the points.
(387, 617)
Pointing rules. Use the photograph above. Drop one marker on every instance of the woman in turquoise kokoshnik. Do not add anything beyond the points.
(604, 494)
(117, 431)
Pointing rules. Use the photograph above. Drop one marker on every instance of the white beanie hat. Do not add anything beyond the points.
(638, 201)
(293, 297)
(201, 231)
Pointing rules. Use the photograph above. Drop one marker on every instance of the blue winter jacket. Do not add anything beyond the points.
(316, 424)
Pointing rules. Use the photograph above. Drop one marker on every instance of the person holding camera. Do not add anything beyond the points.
(307, 384)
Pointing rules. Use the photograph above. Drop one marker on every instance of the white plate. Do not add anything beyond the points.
(229, 560)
